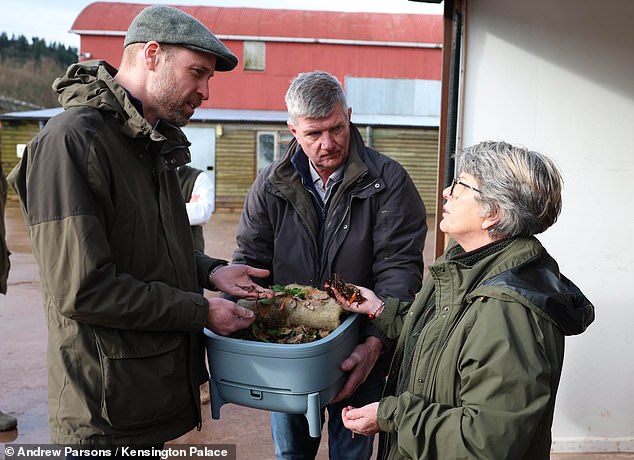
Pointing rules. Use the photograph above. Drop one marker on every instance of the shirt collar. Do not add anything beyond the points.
(332, 179)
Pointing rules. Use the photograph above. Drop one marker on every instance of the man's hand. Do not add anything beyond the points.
(362, 420)
(235, 280)
(225, 317)
(359, 364)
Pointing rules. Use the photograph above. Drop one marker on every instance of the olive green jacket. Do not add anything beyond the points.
(486, 366)
(119, 278)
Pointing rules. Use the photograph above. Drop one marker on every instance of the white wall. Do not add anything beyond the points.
(558, 77)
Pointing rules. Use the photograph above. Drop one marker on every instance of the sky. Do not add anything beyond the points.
(51, 19)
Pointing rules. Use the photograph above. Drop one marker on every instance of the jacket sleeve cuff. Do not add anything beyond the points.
(387, 321)
(385, 414)
(379, 325)
(201, 312)
(368, 329)
(204, 266)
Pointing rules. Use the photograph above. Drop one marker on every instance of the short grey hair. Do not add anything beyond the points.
(314, 95)
(524, 185)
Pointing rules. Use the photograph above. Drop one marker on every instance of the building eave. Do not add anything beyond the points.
(211, 115)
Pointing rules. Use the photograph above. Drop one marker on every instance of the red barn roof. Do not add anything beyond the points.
(104, 18)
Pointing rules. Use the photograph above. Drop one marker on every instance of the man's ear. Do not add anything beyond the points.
(150, 54)
(291, 128)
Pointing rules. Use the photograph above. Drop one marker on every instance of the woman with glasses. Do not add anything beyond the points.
(480, 350)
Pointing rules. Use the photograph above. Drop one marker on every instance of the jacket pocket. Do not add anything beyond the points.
(144, 376)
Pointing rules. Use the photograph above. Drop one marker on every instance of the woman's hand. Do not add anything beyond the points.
(368, 306)
(362, 420)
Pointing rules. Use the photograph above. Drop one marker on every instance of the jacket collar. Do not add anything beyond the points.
(92, 84)
(295, 160)
(523, 270)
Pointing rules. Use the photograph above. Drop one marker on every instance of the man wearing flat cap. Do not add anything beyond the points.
(109, 229)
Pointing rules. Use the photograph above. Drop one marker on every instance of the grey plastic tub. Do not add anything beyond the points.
(295, 379)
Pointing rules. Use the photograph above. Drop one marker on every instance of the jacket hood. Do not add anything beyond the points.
(538, 284)
(92, 84)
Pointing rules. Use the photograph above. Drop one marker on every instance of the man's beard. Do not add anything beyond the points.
(164, 93)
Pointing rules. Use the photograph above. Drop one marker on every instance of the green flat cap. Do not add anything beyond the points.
(172, 26)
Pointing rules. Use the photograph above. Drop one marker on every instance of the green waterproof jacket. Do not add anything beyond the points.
(485, 368)
(119, 275)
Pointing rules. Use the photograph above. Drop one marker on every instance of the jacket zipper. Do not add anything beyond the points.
(343, 218)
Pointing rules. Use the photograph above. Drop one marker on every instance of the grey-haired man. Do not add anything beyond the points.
(333, 205)
(109, 230)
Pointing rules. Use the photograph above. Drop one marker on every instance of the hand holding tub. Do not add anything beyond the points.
(224, 316)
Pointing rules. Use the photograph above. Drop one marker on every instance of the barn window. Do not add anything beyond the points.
(271, 146)
(266, 149)
(254, 55)
(283, 138)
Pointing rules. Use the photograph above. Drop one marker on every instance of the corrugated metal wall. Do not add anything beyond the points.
(415, 148)
(235, 165)
(394, 96)
(12, 134)
(357, 54)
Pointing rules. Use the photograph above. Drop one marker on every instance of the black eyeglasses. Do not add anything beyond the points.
(457, 181)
